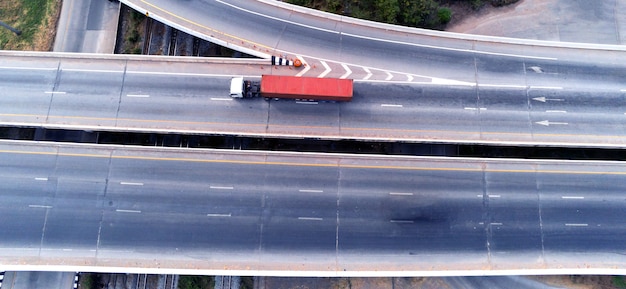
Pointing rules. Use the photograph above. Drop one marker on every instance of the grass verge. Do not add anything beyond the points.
(37, 19)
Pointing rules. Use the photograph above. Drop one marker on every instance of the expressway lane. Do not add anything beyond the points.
(110, 207)
(267, 27)
(124, 93)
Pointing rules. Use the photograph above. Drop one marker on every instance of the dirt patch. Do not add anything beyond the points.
(36, 19)
(580, 281)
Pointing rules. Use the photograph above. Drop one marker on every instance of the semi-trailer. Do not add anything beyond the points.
(292, 87)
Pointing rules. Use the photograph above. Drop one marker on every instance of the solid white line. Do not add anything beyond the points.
(220, 188)
(449, 49)
(401, 221)
(306, 102)
(27, 68)
(389, 76)
(41, 179)
(557, 111)
(400, 194)
(494, 196)
(310, 218)
(54, 92)
(221, 98)
(325, 71)
(128, 211)
(502, 85)
(138, 95)
(391, 105)
(573, 197)
(92, 70)
(310, 191)
(545, 87)
(576, 225)
(348, 71)
(369, 73)
(219, 215)
(40, 206)
(131, 184)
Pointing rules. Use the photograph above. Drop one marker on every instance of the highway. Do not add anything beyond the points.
(270, 27)
(191, 96)
(108, 208)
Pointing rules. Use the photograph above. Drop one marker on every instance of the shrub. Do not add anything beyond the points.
(444, 14)
(498, 3)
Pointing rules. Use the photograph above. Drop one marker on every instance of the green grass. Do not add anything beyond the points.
(35, 18)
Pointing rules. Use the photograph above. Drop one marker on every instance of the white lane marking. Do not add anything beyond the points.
(503, 86)
(494, 196)
(310, 191)
(401, 221)
(138, 95)
(622, 90)
(378, 39)
(40, 206)
(54, 92)
(131, 184)
(496, 224)
(128, 211)
(306, 66)
(325, 71)
(369, 73)
(448, 48)
(469, 108)
(409, 78)
(27, 68)
(391, 105)
(576, 225)
(220, 188)
(306, 102)
(548, 123)
(310, 218)
(41, 179)
(219, 215)
(544, 99)
(556, 111)
(92, 70)
(221, 98)
(389, 76)
(400, 194)
(573, 197)
(546, 87)
(479, 196)
(348, 71)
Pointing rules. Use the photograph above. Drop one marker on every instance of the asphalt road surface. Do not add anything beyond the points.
(192, 97)
(86, 205)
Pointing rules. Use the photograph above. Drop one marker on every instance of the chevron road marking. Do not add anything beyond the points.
(325, 71)
(348, 71)
(305, 64)
(369, 73)
(389, 75)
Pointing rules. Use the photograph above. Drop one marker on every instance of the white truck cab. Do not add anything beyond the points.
(236, 87)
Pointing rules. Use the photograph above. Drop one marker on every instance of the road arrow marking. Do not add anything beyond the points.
(548, 123)
(389, 75)
(306, 66)
(348, 71)
(325, 71)
(544, 99)
(369, 73)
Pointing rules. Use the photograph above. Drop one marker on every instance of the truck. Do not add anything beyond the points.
(292, 87)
